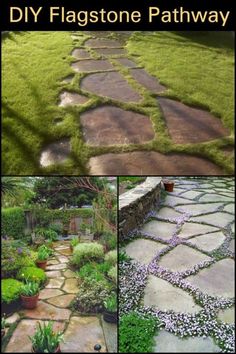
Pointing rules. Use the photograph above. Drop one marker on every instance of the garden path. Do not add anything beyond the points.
(81, 333)
(186, 254)
(105, 69)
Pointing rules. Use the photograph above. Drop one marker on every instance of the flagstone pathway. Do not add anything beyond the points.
(184, 260)
(107, 71)
(81, 333)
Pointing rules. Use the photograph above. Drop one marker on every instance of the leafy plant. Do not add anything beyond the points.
(110, 303)
(111, 257)
(87, 252)
(45, 340)
(3, 322)
(113, 273)
(49, 250)
(74, 242)
(13, 222)
(30, 288)
(123, 257)
(109, 240)
(11, 289)
(47, 233)
(33, 274)
(91, 271)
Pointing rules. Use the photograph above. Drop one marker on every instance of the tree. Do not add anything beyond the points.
(16, 191)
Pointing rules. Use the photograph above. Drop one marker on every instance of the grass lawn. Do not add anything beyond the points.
(197, 68)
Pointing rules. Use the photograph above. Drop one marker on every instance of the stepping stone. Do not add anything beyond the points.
(71, 99)
(216, 219)
(190, 125)
(52, 262)
(166, 342)
(12, 319)
(62, 301)
(57, 267)
(182, 258)
(191, 229)
(208, 242)
(61, 247)
(47, 293)
(44, 311)
(82, 334)
(143, 251)
(215, 198)
(109, 125)
(99, 43)
(110, 84)
(54, 153)
(68, 79)
(230, 208)
(168, 213)
(63, 259)
(65, 252)
(191, 194)
(148, 81)
(199, 208)
(110, 333)
(53, 274)
(55, 283)
(173, 201)
(110, 51)
(92, 65)
(69, 274)
(232, 246)
(150, 163)
(162, 229)
(80, 53)
(217, 280)
(164, 296)
(20, 342)
(71, 286)
(227, 315)
(127, 62)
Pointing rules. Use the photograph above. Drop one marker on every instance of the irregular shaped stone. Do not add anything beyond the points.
(217, 280)
(99, 43)
(110, 84)
(91, 65)
(208, 242)
(65, 252)
(71, 99)
(79, 53)
(110, 333)
(53, 274)
(146, 80)
(215, 198)
(143, 250)
(168, 213)
(127, 62)
(182, 258)
(52, 262)
(162, 229)
(56, 267)
(164, 296)
(45, 311)
(12, 319)
(47, 293)
(20, 342)
(110, 51)
(191, 194)
(55, 283)
(200, 208)
(217, 219)
(62, 301)
(63, 259)
(230, 208)
(69, 274)
(54, 153)
(173, 201)
(82, 334)
(191, 229)
(68, 79)
(71, 286)
(109, 125)
(227, 315)
(149, 163)
(232, 246)
(167, 342)
(190, 125)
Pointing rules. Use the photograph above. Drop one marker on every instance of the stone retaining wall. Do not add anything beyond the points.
(135, 204)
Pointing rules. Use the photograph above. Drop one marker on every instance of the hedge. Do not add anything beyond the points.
(13, 222)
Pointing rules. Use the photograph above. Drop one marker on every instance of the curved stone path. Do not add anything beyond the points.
(186, 252)
(101, 62)
(81, 333)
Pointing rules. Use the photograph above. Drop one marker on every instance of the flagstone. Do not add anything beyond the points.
(69, 274)
(143, 250)
(217, 219)
(71, 99)
(208, 242)
(215, 198)
(91, 65)
(63, 259)
(191, 194)
(100, 42)
(57, 152)
(197, 209)
(55, 283)
(146, 80)
(47, 293)
(62, 301)
(126, 62)
(227, 315)
(12, 319)
(52, 262)
(53, 274)
(162, 229)
(232, 245)
(79, 53)
(71, 286)
(110, 51)
(168, 213)
(191, 229)
(65, 252)
(56, 266)
(230, 208)
(46, 311)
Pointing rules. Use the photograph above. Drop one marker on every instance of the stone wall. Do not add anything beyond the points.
(135, 204)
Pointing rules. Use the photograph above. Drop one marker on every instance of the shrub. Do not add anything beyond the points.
(13, 222)
(110, 303)
(111, 257)
(46, 233)
(113, 273)
(136, 333)
(87, 252)
(11, 289)
(109, 240)
(32, 274)
(91, 271)
(104, 267)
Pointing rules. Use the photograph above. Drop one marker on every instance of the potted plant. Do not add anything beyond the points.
(29, 295)
(45, 340)
(73, 243)
(42, 258)
(110, 313)
(3, 326)
(169, 185)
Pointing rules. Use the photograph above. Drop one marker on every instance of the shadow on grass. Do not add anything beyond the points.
(11, 35)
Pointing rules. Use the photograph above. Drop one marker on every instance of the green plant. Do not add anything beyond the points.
(56, 227)
(11, 289)
(47, 233)
(30, 288)
(43, 255)
(3, 322)
(87, 252)
(90, 270)
(33, 274)
(13, 222)
(74, 241)
(109, 240)
(47, 249)
(123, 257)
(136, 333)
(45, 340)
(110, 303)
(113, 273)
(111, 257)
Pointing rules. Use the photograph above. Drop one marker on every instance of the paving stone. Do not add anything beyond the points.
(82, 334)
(110, 333)
(71, 99)
(71, 286)
(166, 342)
(200, 208)
(65, 252)
(46, 311)
(208, 242)
(68, 79)
(12, 319)
(55, 283)
(173, 200)
(53, 274)
(230, 208)
(217, 219)
(150, 163)
(63, 259)
(143, 250)
(232, 245)
(227, 315)
(191, 229)
(190, 125)
(164, 296)
(20, 342)
(54, 153)
(146, 80)
(215, 198)
(99, 43)
(110, 51)
(110, 84)
(47, 293)
(168, 213)
(52, 262)
(61, 247)
(69, 274)
(191, 194)
(91, 65)
(127, 62)
(62, 301)
(162, 229)
(182, 258)
(109, 125)
(232, 227)
(80, 53)
(56, 267)
(216, 280)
